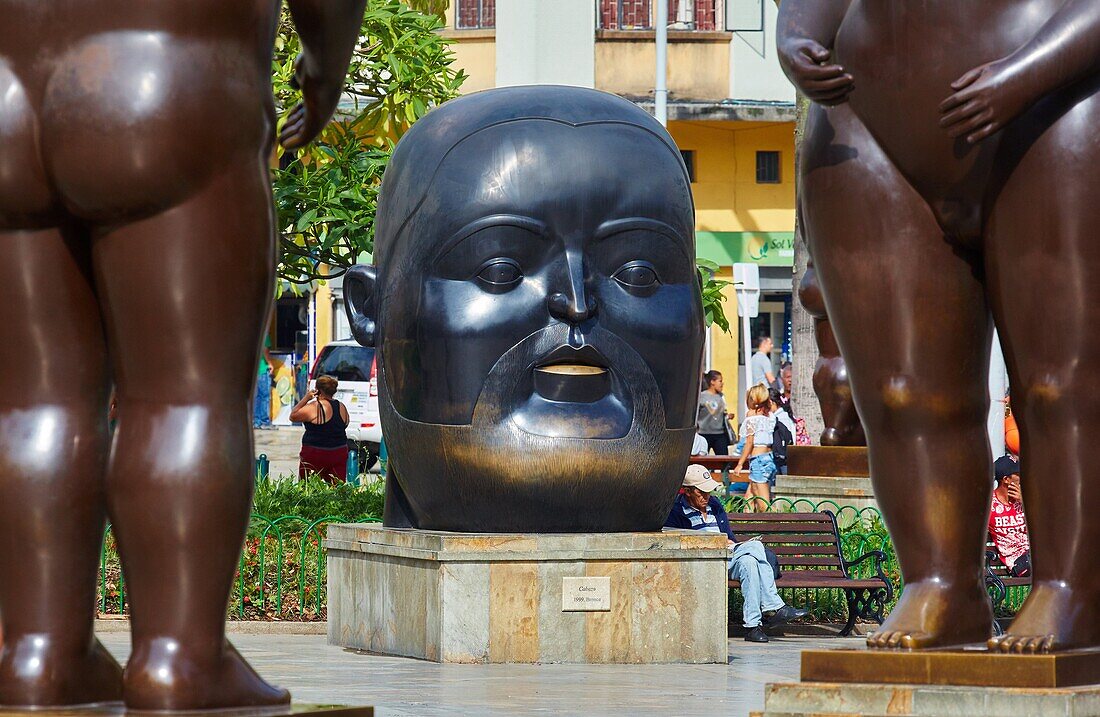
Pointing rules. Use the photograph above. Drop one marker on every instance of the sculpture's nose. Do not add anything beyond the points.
(571, 309)
(574, 305)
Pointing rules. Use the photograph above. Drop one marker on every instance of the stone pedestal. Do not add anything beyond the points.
(820, 473)
(505, 598)
(803, 699)
(842, 490)
(939, 683)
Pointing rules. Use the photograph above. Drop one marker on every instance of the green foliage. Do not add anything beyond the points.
(327, 195)
(314, 499)
(713, 311)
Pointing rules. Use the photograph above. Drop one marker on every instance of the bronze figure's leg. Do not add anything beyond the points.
(1044, 277)
(910, 315)
(53, 449)
(187, 293)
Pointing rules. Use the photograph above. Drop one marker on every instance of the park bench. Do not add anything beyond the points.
(998, 580)
(809, 551)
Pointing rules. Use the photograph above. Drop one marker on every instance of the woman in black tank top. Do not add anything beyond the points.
(325, 443)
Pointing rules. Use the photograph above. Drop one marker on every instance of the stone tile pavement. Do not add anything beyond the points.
(316, 672)
(281, 444)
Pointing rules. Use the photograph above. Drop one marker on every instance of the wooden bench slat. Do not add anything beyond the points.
(812, 574)
(803, 549)
(804, 579)
(793, 527)
(799, 560)
(828, 538)
(781, 517)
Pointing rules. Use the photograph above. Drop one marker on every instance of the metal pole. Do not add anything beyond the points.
(746, 333)
(660, 91)
(998, 386)
(311, 326)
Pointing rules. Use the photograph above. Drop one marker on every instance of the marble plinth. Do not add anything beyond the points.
(118, 710)
(498, 598)
(842, 490)
(975, 666)
(815, 699)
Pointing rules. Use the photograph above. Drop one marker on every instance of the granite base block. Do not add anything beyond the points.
(116, 709)
(498, 598)
(803, 699)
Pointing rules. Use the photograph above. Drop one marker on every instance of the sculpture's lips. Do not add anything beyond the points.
(586, 355)
(572, 369)
(573, 375)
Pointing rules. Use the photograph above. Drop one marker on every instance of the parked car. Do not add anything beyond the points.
(356, 369)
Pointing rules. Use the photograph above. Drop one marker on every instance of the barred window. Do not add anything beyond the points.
(476, 14)
(767, 167)
(638, 14)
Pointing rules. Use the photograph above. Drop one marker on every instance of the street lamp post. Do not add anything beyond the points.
(660, 91)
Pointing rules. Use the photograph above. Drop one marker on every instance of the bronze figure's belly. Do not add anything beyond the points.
(904, 57)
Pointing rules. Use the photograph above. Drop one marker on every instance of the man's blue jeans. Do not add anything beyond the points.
(749, 565)
(261, 411)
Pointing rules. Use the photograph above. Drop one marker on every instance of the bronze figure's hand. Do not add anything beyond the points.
(319, 101)
(986, 99)
(804, 61)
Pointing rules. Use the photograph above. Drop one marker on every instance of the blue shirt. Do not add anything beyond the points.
(688, 518)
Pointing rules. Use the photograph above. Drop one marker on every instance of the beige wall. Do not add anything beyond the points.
(475, 53)
(698, 64)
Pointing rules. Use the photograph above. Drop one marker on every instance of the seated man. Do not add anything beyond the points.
(697, 509)
(1007, 524)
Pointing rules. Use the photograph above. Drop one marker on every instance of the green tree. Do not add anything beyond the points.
(326, 196)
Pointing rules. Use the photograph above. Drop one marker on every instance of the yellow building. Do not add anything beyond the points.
(731, 111)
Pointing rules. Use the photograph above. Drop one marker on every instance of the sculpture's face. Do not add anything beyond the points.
(540, 330)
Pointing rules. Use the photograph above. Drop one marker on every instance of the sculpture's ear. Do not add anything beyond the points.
(359, 301)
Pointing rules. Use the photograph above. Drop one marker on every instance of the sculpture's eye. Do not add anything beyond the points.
(637, 275)
(500, 273)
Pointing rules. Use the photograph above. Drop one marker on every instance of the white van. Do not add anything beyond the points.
(354, 366)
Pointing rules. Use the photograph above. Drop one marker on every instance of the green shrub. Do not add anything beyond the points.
(314, 499)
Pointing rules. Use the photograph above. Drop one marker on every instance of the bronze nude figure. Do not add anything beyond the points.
(136, 226)
(949, 169)
(537, 311)
(831, 384)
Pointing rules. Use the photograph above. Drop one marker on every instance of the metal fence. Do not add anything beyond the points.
(281, 575)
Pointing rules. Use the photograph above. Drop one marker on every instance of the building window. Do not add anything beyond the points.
(689, 162)
(625, 15)
(767, 167)
(476, 14)
(638, 14)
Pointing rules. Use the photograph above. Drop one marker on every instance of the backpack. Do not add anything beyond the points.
(781, 438)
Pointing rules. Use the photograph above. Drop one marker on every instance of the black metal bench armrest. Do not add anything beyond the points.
(1000, 592)
(879, 558)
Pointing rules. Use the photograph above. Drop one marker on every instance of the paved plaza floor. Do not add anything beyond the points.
(319, 673)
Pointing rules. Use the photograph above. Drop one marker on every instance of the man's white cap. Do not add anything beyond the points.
(699, 477)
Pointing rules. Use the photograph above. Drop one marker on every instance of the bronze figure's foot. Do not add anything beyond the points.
(1054, 618)
(936, 615)
(166, 674)
(36, 672)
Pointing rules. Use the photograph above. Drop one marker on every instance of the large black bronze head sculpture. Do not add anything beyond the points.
(536, 306)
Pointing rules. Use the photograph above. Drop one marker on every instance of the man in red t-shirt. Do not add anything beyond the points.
(1007, 524)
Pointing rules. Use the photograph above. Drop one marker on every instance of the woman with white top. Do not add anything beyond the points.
(757, 431)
